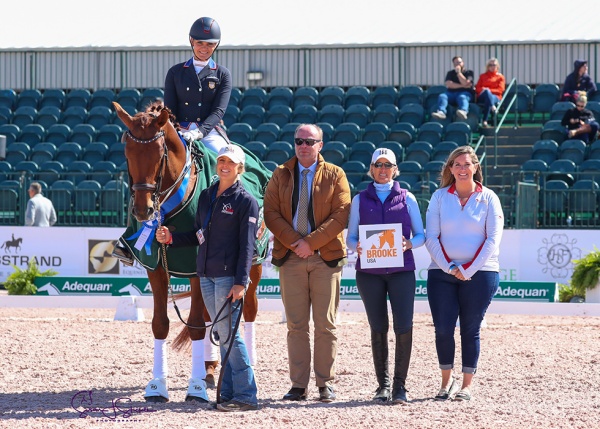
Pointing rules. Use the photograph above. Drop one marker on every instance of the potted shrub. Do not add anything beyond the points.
(586, 276)
(21, 281)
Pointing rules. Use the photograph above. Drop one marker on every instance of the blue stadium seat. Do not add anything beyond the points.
(17, 152)
(360, 114)
(532, 170)
(328, 131)
(149, 96)
(279, 114)
(30, 98)
(58, 133)
(544, 97)
(68, 152)
(78, 171)
(257, 148)
(347, 132)
(87, 194)
(590, 169)
(562, 169)
(553, 130)
(356, 171)
(335, 152)
(252, 115)
(32, 134)
(430, 132)
(116, 153)
(394, 147)
(236, 96)
(332, 114)
(50, 171)
(410, 94)
(102, 97)
(48, 116)
(254, 96)
(459, 132)
(240, 132)
(432, 171)
(376, 132)
(383, 95)
(357, 94)
(267, 132)
(128, 97)
(6, 115)
(24, 115)
(103, 171)
(402, 132)
(281, 95)
(11, 132)
(331, 95)
(304, 114)
(94, 152)
(288, 131)
(305, 95)
(442, 150)
(279, 152)
(83, 134)
(109, 134)
(362, 151)
(419, 151)
(5, 169)
(431, 96)
(43, 152)
(232, 115)
(98, 116)
(559, 109)
(413, 114)
(572, 149)
(61, 194)
(73, 116)
(410, 172)
(53, 98)
(8, 98)
(545, 150)
(78, 98)
(583, 202)
(386, 113)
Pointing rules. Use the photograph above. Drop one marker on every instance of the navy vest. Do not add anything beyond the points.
(393, 210)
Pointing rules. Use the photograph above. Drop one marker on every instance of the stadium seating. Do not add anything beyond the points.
(430, 132)
(332, 114)
(442, 150)
(383, 95)
(419, 151)
(347, 132)
(78, 98)
(30, 98)
(305, 95)
(544, 97)
(413, 114)
(331, 95)
(32, 134)
(459, 132)
(267, 132)
(362, 151)
(304, 114)
(546, 150)
(375, 132)
(128, 97)
(102, 97)
(386, 113)
(572, 149)
(410, 94)
(48, 116)
(150, 95)
(356, 95)
(8, 98)
(24, 115)
(279, 114)
(553, 130)
(281, 95)
(360, 114)
(254, 96)
(253, 115)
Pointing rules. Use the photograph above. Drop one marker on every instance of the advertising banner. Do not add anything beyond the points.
(380, 245)
(525, 255)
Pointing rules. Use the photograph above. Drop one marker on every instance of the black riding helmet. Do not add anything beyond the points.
(206, 29)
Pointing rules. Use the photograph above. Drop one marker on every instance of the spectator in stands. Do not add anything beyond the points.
(385, 202)
(307, 203)
(464, 226)
(580, 122)
(459, 91)
(225, 231)
(198, 90)
(40, 211)
(579, 80)
(490, 88)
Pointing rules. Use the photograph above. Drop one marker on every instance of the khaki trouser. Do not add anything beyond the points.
(305, 283)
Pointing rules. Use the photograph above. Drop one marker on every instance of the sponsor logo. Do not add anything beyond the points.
(227, 209)
(100, 260)
(12, 243)
(557, 254)
(13, 249)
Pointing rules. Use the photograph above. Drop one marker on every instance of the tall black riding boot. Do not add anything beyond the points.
(379, 346)
(403, 351)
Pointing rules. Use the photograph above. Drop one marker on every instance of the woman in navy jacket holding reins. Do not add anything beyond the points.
(225, 230)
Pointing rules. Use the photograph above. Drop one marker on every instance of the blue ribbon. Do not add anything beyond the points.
(172, 202)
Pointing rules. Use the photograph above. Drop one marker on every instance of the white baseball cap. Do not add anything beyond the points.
(233, 152)
(383, 153)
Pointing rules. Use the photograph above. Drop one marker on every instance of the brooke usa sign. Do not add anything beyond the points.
(268, 288)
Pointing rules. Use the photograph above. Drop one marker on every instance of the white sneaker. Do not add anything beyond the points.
(461, 114)
(197, 390)
(439, 114)
(156, 391)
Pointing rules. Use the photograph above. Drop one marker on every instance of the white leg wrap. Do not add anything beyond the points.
(198, 369)
(211, 352)
(160, 369)
(250, 340)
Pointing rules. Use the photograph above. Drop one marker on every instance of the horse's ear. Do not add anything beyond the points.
(163, 118)
(122, 114)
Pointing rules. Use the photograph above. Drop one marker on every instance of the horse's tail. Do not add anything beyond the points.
(182, 341)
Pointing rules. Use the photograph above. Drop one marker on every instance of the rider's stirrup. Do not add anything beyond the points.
(123, 254)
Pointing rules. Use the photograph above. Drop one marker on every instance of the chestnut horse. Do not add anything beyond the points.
(167, 175)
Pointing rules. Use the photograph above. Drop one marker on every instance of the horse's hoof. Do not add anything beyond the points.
(190, 398)
(210, 381)
(156, 399)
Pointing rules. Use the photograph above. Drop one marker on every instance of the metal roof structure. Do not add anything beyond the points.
(277, 23)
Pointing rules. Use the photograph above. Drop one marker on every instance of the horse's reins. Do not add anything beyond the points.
(164, 162)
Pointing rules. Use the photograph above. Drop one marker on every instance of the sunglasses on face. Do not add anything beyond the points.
(308, 142)
(384, 164)
(580, 105)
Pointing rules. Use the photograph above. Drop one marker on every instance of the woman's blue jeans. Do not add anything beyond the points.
(238, 379)
(449, 299)
(487, 100)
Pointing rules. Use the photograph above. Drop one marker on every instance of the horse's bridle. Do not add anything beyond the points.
(163, 162)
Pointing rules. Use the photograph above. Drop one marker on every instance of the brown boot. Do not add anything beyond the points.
(210, 366)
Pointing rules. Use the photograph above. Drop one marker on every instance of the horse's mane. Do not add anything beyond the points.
(158, 106)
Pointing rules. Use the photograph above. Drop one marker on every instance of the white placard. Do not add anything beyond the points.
(381, 245)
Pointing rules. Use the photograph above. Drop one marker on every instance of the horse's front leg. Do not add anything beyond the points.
(197, 385)
(157, 390)
(160, 293)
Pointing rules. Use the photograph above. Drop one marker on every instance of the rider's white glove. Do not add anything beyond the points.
(192, 135)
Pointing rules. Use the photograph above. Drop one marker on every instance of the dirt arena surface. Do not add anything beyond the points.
(534, 372)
